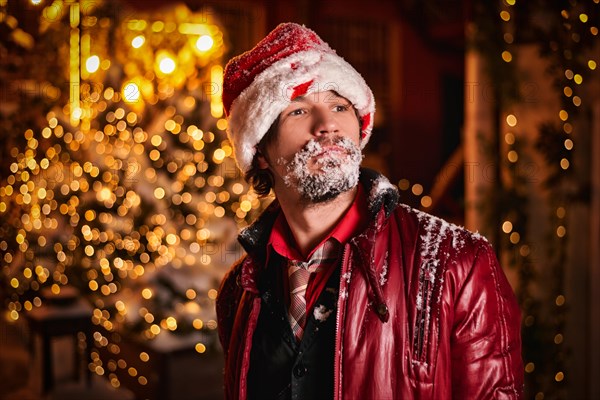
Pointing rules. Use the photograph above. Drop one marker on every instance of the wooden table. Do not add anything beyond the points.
(50, 320)
(174, 370)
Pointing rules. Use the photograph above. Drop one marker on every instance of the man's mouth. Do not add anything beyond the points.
(330, 150)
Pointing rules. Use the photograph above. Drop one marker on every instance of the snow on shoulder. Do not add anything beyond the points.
(435, 230)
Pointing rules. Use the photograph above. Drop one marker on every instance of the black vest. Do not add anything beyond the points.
(282, 368)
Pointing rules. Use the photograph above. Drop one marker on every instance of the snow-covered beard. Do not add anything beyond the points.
(331, 174)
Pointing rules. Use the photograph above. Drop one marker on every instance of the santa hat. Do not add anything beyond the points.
(290, 61)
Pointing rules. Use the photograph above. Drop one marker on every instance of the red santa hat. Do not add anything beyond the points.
(290, 61)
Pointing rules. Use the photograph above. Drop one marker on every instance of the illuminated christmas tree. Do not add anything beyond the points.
(122, 184)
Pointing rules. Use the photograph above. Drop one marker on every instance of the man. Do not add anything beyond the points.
(344, 293)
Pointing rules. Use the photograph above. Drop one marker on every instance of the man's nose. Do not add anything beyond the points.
(324, 123)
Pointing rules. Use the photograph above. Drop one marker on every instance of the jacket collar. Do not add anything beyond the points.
(382, 199)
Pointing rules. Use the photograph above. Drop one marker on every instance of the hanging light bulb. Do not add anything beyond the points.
(92, 64)
(204, 43)
(167, 65)
(165, 62)
(131, 92)
(138, 41)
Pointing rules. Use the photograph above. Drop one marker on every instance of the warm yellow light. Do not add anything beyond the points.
(563, 115)
(512, 156)
(156, 140)
(104, 194)
(147, 294)
(138, 41)
(568, 144)
(159, 193)
(120, 306)
(507, 56)
(583, 17)
(131, 92)
(14, 282)
(578, 79)
(167, 65)
(505, 15)
(197, 324)
(55, 289)
(36, 2)
(507, 227)
(171, 323)
(569, 74)
(77, 113)
(558, 338)
(190, 294)
(560, 300)
(219, 212)
(417, 189)
(200, 348)
(222, 123)
(426, 201)
(245, 206)
(219, 155)
(92, 64)
(204, 43)
(530, 367)
(559, 376)
(212, 294)
(237, 188)
(158, 26)
(564, 163)
(511, 120)
(172, 239)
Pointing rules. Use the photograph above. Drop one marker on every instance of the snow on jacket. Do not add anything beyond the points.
(424, 311)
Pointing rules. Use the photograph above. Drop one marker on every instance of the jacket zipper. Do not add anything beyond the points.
(337, 378)
(423, 318)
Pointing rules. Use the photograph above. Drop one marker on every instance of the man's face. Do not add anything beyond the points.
(316, 151)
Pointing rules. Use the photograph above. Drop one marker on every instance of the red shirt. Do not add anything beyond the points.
(282, 241)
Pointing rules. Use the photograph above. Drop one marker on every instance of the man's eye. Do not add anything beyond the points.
(298, 111)
(341, 107)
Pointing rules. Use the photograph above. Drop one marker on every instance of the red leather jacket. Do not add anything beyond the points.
(424, 311)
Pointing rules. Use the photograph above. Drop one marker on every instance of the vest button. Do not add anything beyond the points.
(300, 370)
(382, 309)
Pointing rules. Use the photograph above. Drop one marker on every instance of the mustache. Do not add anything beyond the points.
(316, 146)
(332, 141)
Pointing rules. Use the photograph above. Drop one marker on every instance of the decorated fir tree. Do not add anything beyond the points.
(121, 181)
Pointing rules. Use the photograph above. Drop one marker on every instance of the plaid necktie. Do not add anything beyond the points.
(299, 274)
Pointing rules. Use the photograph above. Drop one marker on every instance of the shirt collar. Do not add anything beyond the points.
(356, 218)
